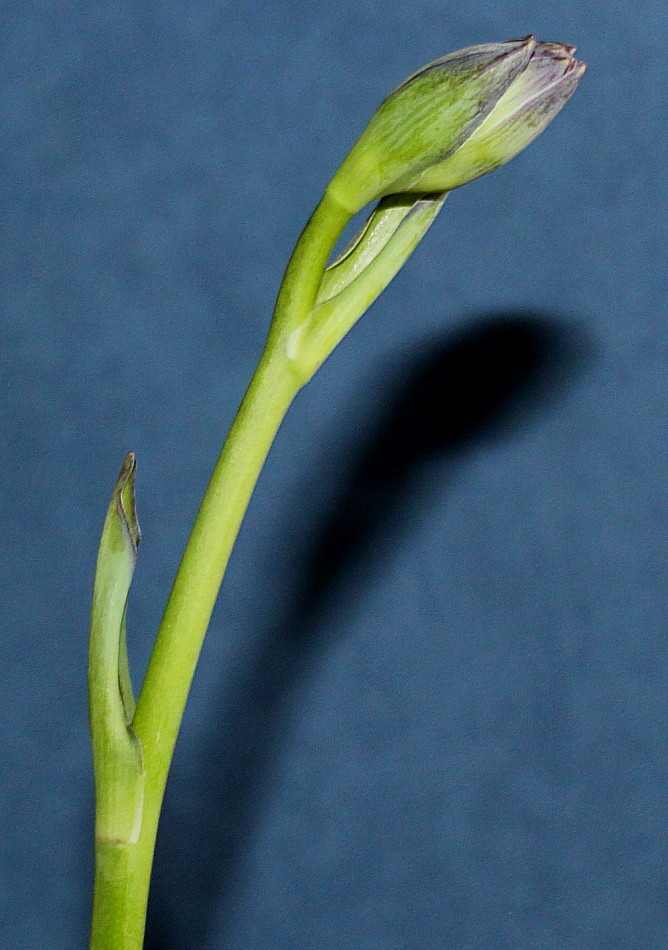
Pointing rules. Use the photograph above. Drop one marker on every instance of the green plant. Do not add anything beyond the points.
(449, 123)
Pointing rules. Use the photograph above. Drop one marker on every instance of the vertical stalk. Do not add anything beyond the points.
(122, 874)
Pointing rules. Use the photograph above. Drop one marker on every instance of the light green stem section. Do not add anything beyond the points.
(123, 870)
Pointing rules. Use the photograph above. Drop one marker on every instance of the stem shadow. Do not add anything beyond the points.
(452, 395)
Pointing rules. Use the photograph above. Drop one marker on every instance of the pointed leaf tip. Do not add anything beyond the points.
(124, 495)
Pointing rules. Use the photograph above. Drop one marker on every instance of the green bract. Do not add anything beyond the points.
(360, 274)
(458, 118)
(117, 758)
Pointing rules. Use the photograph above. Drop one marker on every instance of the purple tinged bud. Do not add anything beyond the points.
(458, 118)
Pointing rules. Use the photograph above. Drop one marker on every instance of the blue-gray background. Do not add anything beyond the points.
(432, 707)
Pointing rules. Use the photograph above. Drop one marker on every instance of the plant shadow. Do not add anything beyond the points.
(452, 395)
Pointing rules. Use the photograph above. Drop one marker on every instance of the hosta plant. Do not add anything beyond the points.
(456, 119)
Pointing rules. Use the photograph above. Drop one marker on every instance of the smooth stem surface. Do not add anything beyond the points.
(123, 871)
(122, 875)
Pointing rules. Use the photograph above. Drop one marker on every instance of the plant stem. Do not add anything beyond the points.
(123, 870)
(122, 874)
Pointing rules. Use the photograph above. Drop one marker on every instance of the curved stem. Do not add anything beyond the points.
(303, 274)
(123, 871)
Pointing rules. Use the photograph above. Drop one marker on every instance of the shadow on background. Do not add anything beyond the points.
(453, 394)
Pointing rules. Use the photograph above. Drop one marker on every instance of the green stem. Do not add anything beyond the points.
(123, 870)
(122, 875)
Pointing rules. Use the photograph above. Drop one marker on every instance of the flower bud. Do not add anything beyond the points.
(457, 119)
(523, 111)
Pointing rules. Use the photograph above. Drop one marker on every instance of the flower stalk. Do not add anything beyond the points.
(451, 122)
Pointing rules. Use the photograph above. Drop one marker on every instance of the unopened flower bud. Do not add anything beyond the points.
(523, 111)
(457, 119)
